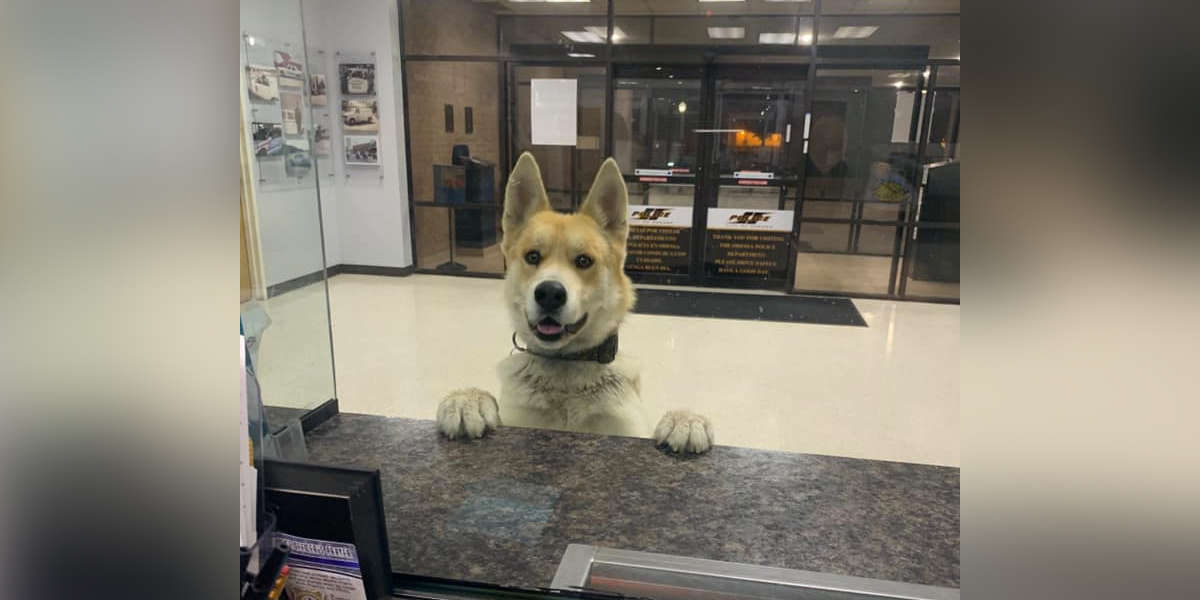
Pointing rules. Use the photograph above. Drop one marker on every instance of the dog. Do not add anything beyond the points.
(566, 293)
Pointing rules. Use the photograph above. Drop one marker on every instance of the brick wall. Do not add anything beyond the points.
(432, 85)
(449, 27)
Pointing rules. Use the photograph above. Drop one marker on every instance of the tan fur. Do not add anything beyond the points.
(537, 391)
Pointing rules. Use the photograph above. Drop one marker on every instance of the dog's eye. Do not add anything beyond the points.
(533, 257)
(583, 261)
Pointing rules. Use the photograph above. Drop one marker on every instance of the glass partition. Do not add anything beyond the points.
(861, 179)
(286, 159)
(713, 361)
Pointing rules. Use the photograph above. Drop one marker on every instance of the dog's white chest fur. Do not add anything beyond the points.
(571, 395)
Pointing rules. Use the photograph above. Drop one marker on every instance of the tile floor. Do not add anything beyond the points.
(294, 365)
(888, 391)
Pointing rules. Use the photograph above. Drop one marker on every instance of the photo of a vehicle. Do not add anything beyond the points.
(360, 115)
(297, 162)
(262, 82)
(268, 139)
(289, 68)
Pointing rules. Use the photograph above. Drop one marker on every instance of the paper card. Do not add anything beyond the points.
(553, 109)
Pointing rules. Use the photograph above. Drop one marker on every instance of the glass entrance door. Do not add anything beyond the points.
(756, 162)
(656, 113)
(712, 156)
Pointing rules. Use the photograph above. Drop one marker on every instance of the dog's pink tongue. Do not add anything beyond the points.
(549, 328)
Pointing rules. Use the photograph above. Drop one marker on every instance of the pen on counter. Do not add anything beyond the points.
(268, 576)
(277, 589)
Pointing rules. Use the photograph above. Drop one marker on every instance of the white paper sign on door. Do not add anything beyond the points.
(552, 110)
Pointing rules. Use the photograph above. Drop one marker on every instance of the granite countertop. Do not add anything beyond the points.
(503, 509)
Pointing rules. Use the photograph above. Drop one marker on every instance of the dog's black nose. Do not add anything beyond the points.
(550, 295)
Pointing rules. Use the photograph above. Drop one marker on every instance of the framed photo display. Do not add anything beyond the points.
(296, 158)
(291, 71)
(317, 94)
(357, 78)
(360, 115)
(268, 139)
(263, 83)
(321, 135)
(362, 150)
(293, 112)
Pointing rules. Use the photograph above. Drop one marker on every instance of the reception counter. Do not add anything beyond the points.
(503, 509)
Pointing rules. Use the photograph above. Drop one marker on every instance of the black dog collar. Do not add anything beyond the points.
(605, 353)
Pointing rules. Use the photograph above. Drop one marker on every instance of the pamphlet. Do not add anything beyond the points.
(247, 474)
(322, 570)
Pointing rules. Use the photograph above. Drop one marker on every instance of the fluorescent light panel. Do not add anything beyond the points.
(580, 55)
(854, 32)
(600, 30)
(777, 38)
(550, 1)
(726, 33)
(784, 38)
(584, 37)
(722, 0)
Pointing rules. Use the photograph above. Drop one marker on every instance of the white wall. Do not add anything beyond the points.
(288, 223)
(365, 217)
(370, 213)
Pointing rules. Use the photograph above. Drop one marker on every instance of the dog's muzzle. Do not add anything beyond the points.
(548, 329)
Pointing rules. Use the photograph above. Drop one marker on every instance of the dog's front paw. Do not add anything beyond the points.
(684, 431)
(468, 413)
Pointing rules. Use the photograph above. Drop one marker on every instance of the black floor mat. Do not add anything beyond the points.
(714, 305)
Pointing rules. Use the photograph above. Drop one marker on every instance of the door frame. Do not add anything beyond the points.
(707, 179)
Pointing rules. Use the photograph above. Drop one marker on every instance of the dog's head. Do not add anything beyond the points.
(565, 286)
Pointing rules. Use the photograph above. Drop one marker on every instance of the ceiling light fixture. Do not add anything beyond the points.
(856, 32)
(583, 37)
(600, 30)
(776, 38)
(806, 38)
(899, 84)
(726, 33)
(683, 107)
(580, 55)
(722, 0)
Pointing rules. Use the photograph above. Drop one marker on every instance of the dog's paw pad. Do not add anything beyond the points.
(468, 413)
(684, 431)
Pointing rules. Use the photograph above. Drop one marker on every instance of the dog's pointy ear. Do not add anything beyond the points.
(525, 195)
(608, 200)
